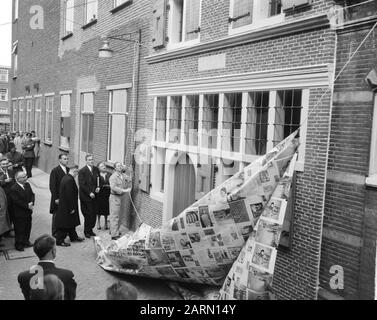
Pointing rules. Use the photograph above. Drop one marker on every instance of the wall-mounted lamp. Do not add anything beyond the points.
(107, 52)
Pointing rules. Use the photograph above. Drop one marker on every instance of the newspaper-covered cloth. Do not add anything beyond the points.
(201, 244)
(250, 277)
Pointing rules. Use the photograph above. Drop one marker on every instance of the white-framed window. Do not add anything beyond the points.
(3, 94)
(21, 114)
(246, 15)
(38, 116)
(69, 10)
(184, 22)
(4, 75)
(15, 58)
(210, 120)
(117, 3)
(91, 10)
(49, 102)
(158, 166)
(118, 119)
(65, 120)
(231, 126)
(15, 9)
(87, 121)
(160, 119)
(15, 115)
(29, 115)
(175, 119)
(191, 127)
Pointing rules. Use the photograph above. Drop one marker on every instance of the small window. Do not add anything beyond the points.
(91, 10)
(118, 118)
(185, 20)
(210, 121)
(232, 122)
(87, 122)
(49, 119)
(4, 75)
(65, 120)
(69, 16)
(118, 3)
(175, 119)
(3, 94)
(160, 125)
(192, 120)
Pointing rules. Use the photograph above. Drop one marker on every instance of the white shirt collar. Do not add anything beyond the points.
(48, 261)
(23, 187)
(64, 168)
(90, 168)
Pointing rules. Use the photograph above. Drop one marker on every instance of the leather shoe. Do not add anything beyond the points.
(28, 244)
(78, 239)
(19, 248)
(87, 235)
(63, 244)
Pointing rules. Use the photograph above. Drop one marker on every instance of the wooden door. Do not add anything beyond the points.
(184, 186)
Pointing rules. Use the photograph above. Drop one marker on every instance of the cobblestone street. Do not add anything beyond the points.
(92, 280)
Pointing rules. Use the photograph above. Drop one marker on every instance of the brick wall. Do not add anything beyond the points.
(350, 208)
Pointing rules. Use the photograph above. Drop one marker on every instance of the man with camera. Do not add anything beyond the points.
(119, 186)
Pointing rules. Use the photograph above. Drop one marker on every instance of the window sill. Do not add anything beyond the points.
(371, 181)
(121, 6)
(67, 36)
(47, 143)
(89, 24)
(181, 45)
(63, 149)
(258, 25)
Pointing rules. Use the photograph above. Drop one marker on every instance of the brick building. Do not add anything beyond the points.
(4, 98)
(212, 87)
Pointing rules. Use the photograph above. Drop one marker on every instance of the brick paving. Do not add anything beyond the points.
(92, 280)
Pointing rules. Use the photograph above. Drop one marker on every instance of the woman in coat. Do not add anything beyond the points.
(67, 216)
(103, 195)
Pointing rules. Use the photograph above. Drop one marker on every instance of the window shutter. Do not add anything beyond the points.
(192, 19)
(159, 23)
(242, 13)
(289, 4)
(144, 168)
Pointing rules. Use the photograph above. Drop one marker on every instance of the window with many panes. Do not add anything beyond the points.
(15, 115)
(21, 114)
(210, 120)
(91, 10)
(65, 120)
(118, 118)
(248, 14)
(160, 125)
(4, 75)
(49, 102)
(231, 130)
(3, 94)
(158, 170)
(191, 120)
(29, 115)
(69, 10)
(87, 122)
(184, 23)
(38, 116)
(257, 122)
(175, 122)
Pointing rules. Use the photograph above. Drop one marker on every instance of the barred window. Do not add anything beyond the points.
(175, 119)
(232, 122)
(192, 120)
(257, 122)
(160, 126)
(210, 120)
(287, 113)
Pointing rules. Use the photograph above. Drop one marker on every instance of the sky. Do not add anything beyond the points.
(5, 32)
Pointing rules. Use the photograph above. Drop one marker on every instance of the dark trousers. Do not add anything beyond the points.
(61, 234)
(89, 213)
(10, 209)
(22, 229)
(28, 165)
(53, 225)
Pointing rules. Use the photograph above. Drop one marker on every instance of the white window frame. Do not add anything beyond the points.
(371, 180)
(48, 97)
(38, 109)
(29, 109)
(258, 20)
(67, 21)
(2, 73)
(65, 112)
(15, 121)
(175, 45)
(156, 173)
(125, 113)
(87, 4)
(118, 3)
(21, 111)
(86, 112)
(6, 95)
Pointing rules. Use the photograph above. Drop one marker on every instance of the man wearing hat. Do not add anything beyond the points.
(28, 147)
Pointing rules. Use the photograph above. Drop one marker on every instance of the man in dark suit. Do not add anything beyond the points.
(67, 217)
(22, 203)
(56, 177)
(45, 249)
(89, 188)
(6, 182)
(28, 147)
